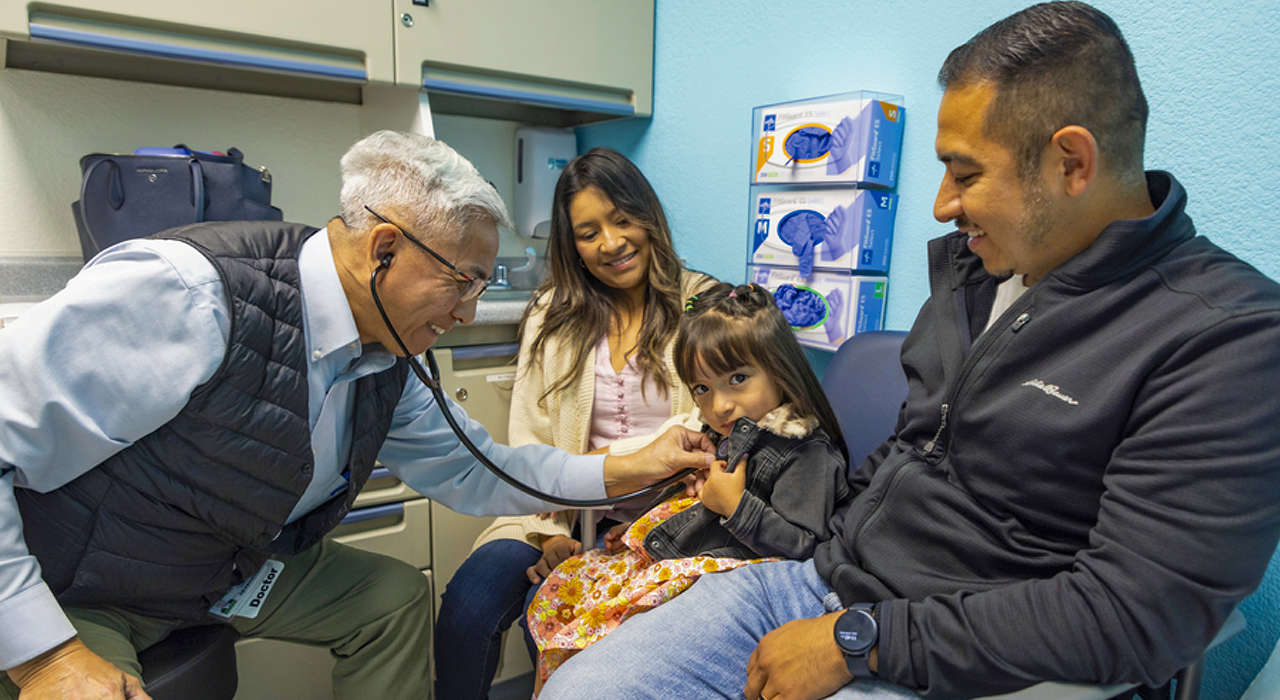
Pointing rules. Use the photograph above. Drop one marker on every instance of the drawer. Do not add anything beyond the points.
(401, 530)
(383, 487)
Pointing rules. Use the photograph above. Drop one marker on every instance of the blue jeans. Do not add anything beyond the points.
(483, 598)
(697, 645)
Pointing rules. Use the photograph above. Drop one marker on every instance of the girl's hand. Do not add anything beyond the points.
(555, 549)
(613, 538)
(724, 489)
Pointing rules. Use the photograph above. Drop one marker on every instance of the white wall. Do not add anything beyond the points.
(48, 121)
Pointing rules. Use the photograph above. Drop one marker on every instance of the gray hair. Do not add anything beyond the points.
(422, 180)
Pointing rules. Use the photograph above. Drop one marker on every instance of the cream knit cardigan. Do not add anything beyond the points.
(564, 420)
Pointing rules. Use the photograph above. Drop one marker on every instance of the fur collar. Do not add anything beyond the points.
(783, 421)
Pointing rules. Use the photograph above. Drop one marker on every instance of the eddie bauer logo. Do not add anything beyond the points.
(1052, 390)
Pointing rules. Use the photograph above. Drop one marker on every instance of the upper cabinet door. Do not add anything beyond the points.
(587, 55)
(326, 39)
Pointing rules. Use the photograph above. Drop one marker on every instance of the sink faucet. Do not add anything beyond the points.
(500, 278)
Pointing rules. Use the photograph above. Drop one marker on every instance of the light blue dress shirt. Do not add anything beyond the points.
(117, 353)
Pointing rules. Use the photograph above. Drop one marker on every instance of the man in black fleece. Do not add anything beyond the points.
(1081, 485)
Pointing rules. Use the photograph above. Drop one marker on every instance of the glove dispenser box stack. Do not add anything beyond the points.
(821, 218)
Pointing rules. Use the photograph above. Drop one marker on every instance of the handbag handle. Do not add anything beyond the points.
(117, 194)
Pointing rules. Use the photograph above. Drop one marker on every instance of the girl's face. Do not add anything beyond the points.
(614, 249)
(724, 398)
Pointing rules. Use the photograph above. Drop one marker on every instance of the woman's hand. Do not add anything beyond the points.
(613, 538)
(723, 490)
(555, 549)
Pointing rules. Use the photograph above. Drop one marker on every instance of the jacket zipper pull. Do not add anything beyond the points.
(928, 446)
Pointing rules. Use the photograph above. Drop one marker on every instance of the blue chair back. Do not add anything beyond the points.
(866, 386)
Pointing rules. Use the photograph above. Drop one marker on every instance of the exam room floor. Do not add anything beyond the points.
(518, 688)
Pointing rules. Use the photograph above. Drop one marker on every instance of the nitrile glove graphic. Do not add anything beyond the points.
(803, 308)
(841, 147)
(835, 323)
(802, 230)
(838, 234)
(808, 143)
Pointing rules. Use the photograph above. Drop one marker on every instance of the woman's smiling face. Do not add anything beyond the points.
(614, 248)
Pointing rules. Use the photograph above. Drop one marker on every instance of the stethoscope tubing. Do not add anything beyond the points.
(433, 383)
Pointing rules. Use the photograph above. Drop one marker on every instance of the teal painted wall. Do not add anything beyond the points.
(1209, 69)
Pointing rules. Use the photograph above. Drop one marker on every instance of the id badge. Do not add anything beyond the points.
(245, 599)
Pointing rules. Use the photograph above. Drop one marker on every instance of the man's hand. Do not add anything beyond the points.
(677, 449)
(798, 661)
(555, 549)
(71, 671)
(723, 491)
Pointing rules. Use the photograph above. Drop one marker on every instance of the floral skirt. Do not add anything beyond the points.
(589, 595)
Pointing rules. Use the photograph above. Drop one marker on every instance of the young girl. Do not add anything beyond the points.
(780, 474)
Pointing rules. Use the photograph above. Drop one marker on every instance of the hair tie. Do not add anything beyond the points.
(688, 304)
(733, 295)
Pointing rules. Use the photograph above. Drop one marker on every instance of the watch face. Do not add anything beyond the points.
(856, 631)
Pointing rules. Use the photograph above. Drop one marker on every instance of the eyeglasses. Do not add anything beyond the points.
(471, 287)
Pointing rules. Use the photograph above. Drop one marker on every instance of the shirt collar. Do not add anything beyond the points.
(330, 326)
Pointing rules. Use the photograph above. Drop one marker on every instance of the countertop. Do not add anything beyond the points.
(504, 308)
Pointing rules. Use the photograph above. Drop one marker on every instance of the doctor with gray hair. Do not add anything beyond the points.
(201, 407)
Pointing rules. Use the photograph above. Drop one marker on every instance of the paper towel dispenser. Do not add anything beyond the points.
(541, 155)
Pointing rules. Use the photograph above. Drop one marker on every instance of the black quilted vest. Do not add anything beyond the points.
(166, 526)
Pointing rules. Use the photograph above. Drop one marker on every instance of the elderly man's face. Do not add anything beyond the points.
(1008, 221)
(423, 296)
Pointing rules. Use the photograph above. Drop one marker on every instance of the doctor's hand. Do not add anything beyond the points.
(70, 670)
(798, 661)
(675, 450)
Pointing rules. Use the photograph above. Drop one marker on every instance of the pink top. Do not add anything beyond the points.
(620, 409)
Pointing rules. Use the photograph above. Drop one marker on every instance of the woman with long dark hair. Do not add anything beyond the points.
(596, 373)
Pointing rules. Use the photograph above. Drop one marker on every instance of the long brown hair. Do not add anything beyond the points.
(579, 307)
(726, 327)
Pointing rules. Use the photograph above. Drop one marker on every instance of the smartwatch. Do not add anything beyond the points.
(856, 634)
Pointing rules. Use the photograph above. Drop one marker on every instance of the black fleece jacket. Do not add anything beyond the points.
(1084, 492)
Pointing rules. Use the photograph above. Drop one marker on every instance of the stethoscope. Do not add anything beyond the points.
(432, 381)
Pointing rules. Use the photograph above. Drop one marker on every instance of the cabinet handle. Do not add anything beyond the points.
(360, 515)
(160, 49)
(475, 352)
(529, 97)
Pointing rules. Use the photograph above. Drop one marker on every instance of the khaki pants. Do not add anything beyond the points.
(373, 612)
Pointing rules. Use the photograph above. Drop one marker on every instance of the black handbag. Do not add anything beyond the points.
(131, 195)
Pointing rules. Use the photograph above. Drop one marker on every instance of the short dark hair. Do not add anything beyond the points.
(1054, 65)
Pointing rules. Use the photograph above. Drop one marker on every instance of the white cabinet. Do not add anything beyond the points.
(556, 62)
(331, 42)
(579, 55)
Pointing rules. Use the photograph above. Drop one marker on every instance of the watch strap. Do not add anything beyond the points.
(857, 663)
